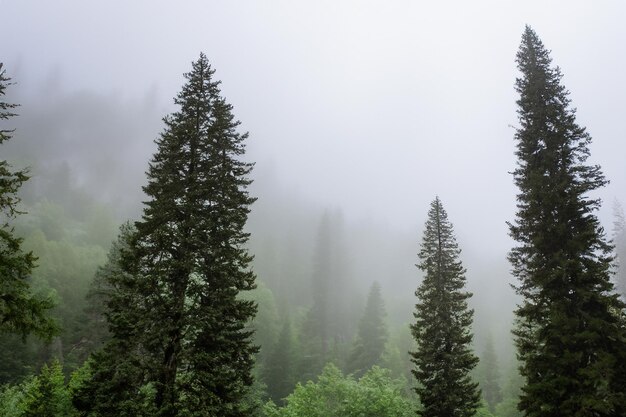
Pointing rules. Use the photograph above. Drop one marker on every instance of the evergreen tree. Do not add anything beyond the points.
(176, 310)
(372, 335)
(279, 370)
(21, 311)
(489, 385)
(569, 332)
(443, 357)
(48, 395)
(314, 335)
(189, 257)
(325, 331)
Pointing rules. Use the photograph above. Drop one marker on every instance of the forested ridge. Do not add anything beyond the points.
(199, 306)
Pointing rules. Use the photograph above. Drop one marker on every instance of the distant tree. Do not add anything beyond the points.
(569, 332)
(489, 383)
(315, 335)
(511, 391)
(280, 367)
(619, 240)
(443, 358)
(45, 394)
(326, 330)
(395, 357)
(369, 345)
(21, 311)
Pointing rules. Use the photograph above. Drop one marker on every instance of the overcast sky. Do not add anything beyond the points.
(371, 107)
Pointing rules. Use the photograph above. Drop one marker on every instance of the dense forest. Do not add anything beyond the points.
(189, 302)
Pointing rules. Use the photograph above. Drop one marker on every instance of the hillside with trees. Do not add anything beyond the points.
(225, 293)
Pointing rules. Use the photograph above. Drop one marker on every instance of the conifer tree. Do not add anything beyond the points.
(187, 336)
(325, 330)
(48, 395)
(21, 311)
(443, 358)
(372, 335)
(569, 332)
(189, 255)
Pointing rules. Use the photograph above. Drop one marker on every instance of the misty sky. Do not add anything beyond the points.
(370, 107)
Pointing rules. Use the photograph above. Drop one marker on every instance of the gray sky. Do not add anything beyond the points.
(374, 107)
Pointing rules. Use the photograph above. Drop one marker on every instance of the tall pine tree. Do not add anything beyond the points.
(443, 358)
(569, 331)
(21, 311)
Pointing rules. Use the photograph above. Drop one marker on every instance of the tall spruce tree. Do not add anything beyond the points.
(21, 311)
(187, 263)
(443, 358)
(569, 332)
(372, 335)
(189, 253)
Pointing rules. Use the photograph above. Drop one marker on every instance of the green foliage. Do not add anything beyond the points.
(570, 330)
(443, 357)
(44, 395)
(508, 408)
(48, 395)
(483, 411)
(11, 399)
(21, 311)
(372, 335)
(334, 395)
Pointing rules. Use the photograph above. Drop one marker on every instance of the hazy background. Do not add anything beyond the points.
(365, 109)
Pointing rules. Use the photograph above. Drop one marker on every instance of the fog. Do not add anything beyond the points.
(365, 110)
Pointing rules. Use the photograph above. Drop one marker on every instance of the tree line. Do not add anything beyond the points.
(176, 324)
